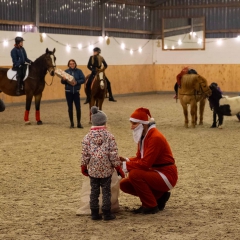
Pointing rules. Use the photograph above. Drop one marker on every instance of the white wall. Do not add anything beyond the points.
(113, 53)
(226, 53)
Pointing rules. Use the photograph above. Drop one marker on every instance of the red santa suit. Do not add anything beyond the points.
(153, 171)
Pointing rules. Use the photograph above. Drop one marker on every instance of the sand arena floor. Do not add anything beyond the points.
(40, 177)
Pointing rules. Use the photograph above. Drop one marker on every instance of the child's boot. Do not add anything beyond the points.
(95, 214)
(107, 215)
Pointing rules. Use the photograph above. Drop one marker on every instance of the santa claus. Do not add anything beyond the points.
(152, 173)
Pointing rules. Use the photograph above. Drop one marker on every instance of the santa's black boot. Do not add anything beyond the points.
(163, 200)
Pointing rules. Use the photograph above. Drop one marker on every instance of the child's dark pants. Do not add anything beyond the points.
(105, 184)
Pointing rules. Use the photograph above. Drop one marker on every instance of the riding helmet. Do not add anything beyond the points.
(97, 49)
(18, 40)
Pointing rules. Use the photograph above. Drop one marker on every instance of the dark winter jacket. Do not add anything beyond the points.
(19, 56)
(79, 77)
(95, 63)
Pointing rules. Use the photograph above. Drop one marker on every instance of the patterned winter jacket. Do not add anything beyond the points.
(100, 152)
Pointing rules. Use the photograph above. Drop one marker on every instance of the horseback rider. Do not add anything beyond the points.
(184, 71)
(94, 64)
(19, 57)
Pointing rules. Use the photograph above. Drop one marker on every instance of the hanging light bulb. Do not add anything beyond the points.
(158, 44)
(238, 37)
(139, 49)
(68, 48)
(90, 48)
(100, 39)
(179, 42)
(199, 41)
(79, 46)
(131, 52)
(44, 35)
(106, 37)
(5, 43)
(165, 47)
(122, 46)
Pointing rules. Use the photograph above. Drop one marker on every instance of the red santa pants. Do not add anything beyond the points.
(147, 185)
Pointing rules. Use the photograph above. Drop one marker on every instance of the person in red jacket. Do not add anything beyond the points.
(152, 173)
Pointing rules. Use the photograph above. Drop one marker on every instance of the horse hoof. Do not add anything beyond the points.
(39, 122)
(201, 123)
(220, 127)
(27, 123)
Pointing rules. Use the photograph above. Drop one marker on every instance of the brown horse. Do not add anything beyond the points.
(98, 90)
(194, 88)
(33, 85)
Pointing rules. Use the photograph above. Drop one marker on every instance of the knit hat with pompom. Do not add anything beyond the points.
(99, 118)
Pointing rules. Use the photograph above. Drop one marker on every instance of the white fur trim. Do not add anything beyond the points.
(165, 180)
(124, 167)
(138, 121)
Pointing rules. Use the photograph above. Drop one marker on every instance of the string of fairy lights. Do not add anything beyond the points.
(122, 44)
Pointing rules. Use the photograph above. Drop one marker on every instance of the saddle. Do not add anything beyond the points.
(12, 74)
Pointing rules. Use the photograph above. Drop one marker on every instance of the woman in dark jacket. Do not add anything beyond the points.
(72, 90)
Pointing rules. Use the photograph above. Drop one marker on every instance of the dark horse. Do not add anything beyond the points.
(98, 91)
(33, 85)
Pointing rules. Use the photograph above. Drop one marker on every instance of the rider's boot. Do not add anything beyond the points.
(18, 90)
(110, 93)
(88, 99)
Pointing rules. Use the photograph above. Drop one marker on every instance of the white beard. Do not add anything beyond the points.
(137, 133)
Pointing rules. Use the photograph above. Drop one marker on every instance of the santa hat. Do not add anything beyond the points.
(141, 115)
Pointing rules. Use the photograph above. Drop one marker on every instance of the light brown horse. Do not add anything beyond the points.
(98, 91)
(33, 85)
(194, 88)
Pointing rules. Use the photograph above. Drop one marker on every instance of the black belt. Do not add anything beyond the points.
(162, 165)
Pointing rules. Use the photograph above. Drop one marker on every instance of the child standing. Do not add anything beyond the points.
(99, 158)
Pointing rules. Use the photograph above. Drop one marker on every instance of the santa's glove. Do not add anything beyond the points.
(84, 171)
(120, 172)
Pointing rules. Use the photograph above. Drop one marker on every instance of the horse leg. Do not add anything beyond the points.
(37, 107)
(100, 103)
(28, 106)
(193, 113)
(185, 112)
(201, 110)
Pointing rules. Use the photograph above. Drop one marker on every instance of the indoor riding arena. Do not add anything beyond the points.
(146, 45)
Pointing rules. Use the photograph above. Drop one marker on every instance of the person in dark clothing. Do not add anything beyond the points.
(94, 64)
(72, 91)
(19, 57)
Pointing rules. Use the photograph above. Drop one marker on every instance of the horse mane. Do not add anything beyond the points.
(39, 58)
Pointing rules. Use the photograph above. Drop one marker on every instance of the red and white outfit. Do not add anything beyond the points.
(153, 171)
